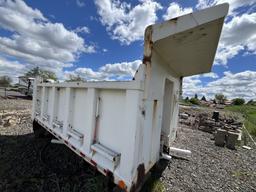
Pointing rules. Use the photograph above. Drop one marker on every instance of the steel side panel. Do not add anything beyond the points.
(89, 119)
(118, 127)
(37, 100)
(132, 136)
(80, 109)
(60, 104)
(111, 118)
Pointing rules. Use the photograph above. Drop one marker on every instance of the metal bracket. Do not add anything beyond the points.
(106, 152)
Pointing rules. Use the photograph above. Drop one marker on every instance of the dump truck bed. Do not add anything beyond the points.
(123, 128)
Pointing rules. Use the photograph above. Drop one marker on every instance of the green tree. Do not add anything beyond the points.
(203, 98)
(196, 97)
(72, 78)
(251, 102)
(5, 81)
(238, 101)
(194, 101)
(45, 74)
(220, 98)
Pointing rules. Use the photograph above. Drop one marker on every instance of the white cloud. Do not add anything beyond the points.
(175, 10)
(80, 3)
(124, 22)
(233, 4)
(235, 85)
(239, 34)
(201, 4)
(9, 64)
(239, 31)
(116, 71)
(191, 86)
(35, 40)
(83, 29)
(232, 85)
(224, 53)
(210, 75)
(21, 8)
(11, 68)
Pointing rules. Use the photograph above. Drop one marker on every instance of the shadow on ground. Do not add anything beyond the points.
(30, 165)
(35, 165)
(23, 97)
(154, 183)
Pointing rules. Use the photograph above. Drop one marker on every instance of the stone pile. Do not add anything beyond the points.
(226, 130)
(205, 122)
(208, 124)
(13, 118)
(227, 137)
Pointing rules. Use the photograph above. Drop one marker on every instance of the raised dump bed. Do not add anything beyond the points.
(123, 128)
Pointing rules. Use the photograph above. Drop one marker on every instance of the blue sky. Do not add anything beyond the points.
(103, 40)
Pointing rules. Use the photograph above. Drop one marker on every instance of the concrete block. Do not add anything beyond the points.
(220, 137)
(232, 140)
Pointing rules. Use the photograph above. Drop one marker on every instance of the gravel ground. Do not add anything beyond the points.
(211, 168)
(9, 93)
(15, 104)
(30, 165)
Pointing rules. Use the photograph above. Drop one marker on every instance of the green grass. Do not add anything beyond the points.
(153, 185)
(249, 113)
(183, 102)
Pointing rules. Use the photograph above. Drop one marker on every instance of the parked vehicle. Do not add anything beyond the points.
(124, 128)
(25, 85)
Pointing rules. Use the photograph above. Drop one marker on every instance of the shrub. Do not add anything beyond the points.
(238, 101)
(5, 81)
(251, 102)
(203, 98)
(220, 98)
(194, 101)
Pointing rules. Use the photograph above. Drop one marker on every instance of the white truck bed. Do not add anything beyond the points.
(122, 128)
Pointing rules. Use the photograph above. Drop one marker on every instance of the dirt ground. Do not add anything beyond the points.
(27, 164)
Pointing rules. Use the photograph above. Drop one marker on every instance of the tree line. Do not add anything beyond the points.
(6, 81)
(218, 99)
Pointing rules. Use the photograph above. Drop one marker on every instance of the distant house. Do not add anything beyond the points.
(208, 103)
(228, 102)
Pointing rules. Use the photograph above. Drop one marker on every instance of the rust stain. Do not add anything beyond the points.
(148, 45)
(154, 111)
(122, 185)
(110, 178)
(154, 107)
(141, 173)
(96, 123)
(147, 55)
(146, 59)
(174, 20)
